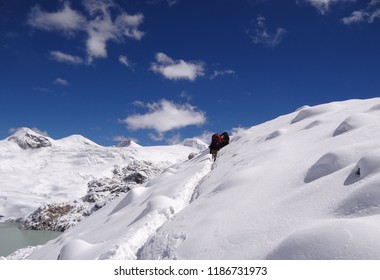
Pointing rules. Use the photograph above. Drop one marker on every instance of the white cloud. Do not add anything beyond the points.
(323, 6)
(355, 17)
(177, 69)
(105, 22)
(165, 116)
(218, 73)
(66, 19)
(61, 82)
(175, 139)
(125, 61)
(262, 36)
(369, 14)
(66, 58)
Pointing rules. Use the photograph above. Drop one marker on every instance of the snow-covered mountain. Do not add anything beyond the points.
(36, 170)
(303, 186)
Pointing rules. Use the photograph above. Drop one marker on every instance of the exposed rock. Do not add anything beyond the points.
(127, 143)
(28, 139)
(55, 216)
(192, 155)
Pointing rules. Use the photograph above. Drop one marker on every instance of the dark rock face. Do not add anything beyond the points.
(54, 216)
(29, 140)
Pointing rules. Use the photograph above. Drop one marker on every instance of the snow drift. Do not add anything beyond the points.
(302, 186)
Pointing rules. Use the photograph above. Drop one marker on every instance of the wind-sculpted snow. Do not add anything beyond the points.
(142, 210)
(355, 122)
(302, 186)
(331, 240)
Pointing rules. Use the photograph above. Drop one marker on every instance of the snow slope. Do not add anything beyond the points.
(35, 169)
(303, 186)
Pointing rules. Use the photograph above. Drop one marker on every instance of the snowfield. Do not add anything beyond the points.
(36, 169)
(303, 186)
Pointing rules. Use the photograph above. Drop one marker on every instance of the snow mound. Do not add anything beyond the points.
(275, 134)
(312, 124)
(354, 122)
(330, 163)
(369, 164)
(331, 240)
(364, 201)
(309, 112)
(375, 108)
(77, 249)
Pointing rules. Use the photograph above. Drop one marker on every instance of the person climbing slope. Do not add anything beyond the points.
(225, 139)
(218, 142)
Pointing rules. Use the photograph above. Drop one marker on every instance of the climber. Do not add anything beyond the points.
(225, 139)
(218, 142)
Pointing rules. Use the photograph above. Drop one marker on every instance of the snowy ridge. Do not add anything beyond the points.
(302, 186)
(36, 169)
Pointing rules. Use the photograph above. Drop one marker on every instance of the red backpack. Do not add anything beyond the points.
(216, 140)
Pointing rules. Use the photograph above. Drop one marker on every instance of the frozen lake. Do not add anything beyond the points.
(13, 238)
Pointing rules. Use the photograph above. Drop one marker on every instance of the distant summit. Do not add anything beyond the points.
(194, 143)
(76, 141)
(26, 139)
(128, 143)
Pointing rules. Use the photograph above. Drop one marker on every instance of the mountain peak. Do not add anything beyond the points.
(27, 138)
(194, 143)
(128, 143)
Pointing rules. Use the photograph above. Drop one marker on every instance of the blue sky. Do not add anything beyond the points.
(159, 71)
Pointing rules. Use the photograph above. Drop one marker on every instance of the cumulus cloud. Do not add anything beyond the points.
(177, 69)
(61, 82)
(67, 19)
(164, 116)
(262, 36)
(368, 14)
(105, 21)
(66, 58)
(323, 6)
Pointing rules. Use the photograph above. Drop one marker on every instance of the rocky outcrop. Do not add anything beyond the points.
(28, 139)
(61, 216)
(55, 216)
